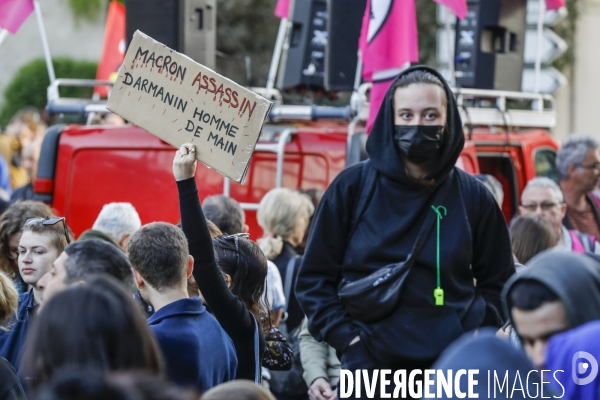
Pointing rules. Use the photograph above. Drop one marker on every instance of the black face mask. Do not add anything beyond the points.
(419, 143)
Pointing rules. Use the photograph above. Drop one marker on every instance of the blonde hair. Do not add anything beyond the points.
(9, 300)
(278, 214)
(56, 232)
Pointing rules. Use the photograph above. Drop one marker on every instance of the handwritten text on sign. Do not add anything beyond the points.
(180, 101)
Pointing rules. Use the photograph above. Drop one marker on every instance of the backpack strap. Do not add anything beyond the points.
(577, 245)
(596, 199)
(595, 206)
(365, 192)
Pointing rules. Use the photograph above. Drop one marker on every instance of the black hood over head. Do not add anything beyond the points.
(573, 278)
(381, 146)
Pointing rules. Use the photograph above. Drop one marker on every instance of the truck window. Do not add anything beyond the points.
(545, 164)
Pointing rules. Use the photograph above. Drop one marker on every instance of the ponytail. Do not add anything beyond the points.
(271, 246)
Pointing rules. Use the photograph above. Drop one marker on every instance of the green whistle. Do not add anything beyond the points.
(438, 294)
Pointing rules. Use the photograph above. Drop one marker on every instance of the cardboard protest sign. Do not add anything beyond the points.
(180, 101)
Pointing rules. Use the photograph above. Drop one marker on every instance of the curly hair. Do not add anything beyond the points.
(9, 299)
(11, 222)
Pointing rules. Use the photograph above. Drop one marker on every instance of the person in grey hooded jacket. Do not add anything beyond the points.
(559, 290)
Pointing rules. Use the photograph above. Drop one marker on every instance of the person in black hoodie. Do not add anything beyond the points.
(413, 146)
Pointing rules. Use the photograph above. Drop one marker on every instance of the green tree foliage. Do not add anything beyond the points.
(28, 86)
(85, 9)
(566, 29)
(88, 10)
(246, 28)
(428, 26)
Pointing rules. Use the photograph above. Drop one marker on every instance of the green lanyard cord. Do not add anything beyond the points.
(438, 293)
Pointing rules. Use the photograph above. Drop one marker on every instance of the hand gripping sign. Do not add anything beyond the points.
(180, 101)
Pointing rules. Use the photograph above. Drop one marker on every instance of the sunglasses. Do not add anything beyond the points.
(544, 206)
(595, 166)
(235, 238)
(50, 221)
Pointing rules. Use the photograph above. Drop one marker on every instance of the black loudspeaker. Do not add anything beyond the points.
(303, 58)
(344, 24)
(187, 26)
(489, 45)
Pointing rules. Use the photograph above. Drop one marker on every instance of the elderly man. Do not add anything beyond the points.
(578, 164)
(115, 224)
(543, 197)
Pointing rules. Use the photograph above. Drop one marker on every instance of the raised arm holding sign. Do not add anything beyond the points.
(180, 101)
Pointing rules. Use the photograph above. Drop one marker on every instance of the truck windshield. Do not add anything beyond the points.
(545, 164)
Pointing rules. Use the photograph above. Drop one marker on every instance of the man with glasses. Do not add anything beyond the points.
(42, 242)
(578, 165)
(543, 197)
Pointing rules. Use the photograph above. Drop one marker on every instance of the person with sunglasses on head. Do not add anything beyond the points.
(42, 241)
(11, 222)
(578, 166)
(543, 197)
(231, 285)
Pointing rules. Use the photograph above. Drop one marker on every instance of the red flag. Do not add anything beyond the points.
(458, 7)
(282, 9)
(388, 44)
(113, 51)
(13, 13)
(554, 4)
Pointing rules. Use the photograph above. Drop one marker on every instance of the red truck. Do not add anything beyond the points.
(83, 167)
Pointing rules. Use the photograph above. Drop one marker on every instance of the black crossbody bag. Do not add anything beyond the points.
(377, 295)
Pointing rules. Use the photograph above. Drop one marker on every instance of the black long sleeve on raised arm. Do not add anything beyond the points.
(227, 308)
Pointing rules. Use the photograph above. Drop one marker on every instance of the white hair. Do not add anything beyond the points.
(573, 152)
(545, 183)
(278, 214)
(118, 220)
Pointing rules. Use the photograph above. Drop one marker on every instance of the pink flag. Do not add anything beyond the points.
(458, 7)
(13, 13)
(554, 4)
(388, 44)
(282, 9)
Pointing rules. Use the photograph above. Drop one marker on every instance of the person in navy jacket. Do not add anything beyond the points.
(197, 351)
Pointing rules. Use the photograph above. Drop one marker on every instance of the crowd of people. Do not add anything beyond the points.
(404, 263)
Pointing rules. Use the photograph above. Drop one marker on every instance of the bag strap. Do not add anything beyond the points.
(595, 206)
(577, 246)
(365, 192)
(431, 217)
(257, 357)
(596, 199)
(289, 277)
